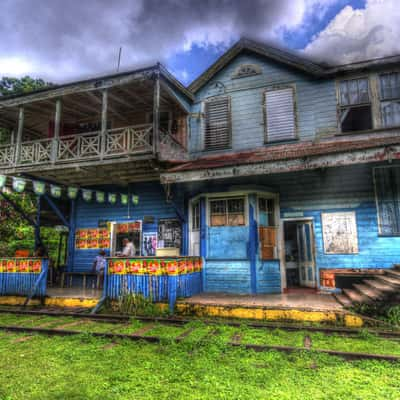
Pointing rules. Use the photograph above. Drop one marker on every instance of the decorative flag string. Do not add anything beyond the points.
(40, 188)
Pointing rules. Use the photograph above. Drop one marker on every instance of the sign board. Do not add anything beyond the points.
(169, 233)
(339, 231)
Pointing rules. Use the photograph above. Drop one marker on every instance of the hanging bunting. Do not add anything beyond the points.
(39, 187)
(18, 184)
(100, 197)
(55, 191)
(135, 200)
(86, 194)
(2, 181)
(124, 199)
(112, 198)
(72, 192)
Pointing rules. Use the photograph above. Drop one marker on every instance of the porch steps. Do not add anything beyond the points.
(378, 288)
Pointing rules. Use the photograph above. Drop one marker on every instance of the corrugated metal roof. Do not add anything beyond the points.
(286, 152)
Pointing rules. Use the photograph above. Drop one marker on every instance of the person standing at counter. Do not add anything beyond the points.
(128, 248)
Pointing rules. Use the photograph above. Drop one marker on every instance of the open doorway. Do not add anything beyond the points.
(299, 254)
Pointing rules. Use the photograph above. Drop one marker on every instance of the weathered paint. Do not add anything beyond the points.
(315, 102)
(270, 314)
(152, 202)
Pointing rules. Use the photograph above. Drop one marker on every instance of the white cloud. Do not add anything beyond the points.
(359, 34)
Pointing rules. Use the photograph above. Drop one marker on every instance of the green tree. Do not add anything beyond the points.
(11, 86)
(15, 232)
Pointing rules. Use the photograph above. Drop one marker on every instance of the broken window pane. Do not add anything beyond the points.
(356, 119)
(355, 111)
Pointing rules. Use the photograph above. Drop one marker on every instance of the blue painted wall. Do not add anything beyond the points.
(151, 202)
(315, 102)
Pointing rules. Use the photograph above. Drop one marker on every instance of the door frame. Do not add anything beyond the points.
(192, 201)
(282, 247)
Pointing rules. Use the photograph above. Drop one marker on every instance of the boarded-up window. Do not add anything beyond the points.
(355, 105)
(217, 123)
(387, 189)
(280, 115)
(390, 99)
(227, 212)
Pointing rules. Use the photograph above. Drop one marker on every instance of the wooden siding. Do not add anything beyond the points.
(151, 203)
(315, 103)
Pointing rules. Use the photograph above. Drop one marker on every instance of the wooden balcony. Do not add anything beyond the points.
(118, 128)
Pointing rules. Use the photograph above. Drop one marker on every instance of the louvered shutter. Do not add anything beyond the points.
(280, 115)
(217, 124)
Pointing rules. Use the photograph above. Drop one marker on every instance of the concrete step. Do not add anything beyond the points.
(343, 299)
(379, 285)
(395, 282)
(368, 291)
(394, 273)
(355, 296)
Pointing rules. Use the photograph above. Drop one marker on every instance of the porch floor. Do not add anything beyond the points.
(297, 300)
(74, 293)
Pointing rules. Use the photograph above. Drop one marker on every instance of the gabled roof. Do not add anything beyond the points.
(96, 82)
(261, 49)
(290, 59)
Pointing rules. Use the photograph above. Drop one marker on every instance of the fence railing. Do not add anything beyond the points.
(156, 278)
(23, 276)
(79, 147)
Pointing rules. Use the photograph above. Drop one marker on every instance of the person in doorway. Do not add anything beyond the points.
(99, 265)
(128, 249)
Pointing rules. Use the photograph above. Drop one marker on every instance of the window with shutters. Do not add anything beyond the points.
(355, 113)
(217, 123)
(227, 212)
(389, 85)
(280, 115)
(387, 190)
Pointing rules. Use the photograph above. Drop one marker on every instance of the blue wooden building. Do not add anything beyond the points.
(277, 171)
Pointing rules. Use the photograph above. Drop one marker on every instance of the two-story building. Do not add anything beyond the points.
(278, 171)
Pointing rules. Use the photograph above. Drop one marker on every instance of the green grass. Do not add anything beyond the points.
(200, 367)
(86, 368)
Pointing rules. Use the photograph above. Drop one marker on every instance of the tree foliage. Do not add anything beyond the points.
(10, 86)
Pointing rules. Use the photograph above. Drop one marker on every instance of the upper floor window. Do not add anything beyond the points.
(390, 99)
(217, 123)
(280, 115)
(387, 189)
(227, 212)
(355, 112)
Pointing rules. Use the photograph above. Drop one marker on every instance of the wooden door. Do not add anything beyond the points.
(267, 238)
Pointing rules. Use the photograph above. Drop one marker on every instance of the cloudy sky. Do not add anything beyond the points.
(62, 40)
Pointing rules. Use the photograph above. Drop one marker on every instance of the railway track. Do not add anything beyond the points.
(160, 329)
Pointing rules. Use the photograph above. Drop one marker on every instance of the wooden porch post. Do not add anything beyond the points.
(156, 112)
(104, 107)
(57, 128)
(19, 134)
(253, 242)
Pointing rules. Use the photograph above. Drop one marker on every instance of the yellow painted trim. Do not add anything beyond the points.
(16, 301)
(270, 314)
(70, 302)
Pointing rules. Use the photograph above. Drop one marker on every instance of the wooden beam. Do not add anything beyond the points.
(110, 108)
(104, 107)
(156, 111)
(19, 134)
(57, 127)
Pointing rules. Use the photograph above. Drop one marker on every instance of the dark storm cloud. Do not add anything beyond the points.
(65, 39)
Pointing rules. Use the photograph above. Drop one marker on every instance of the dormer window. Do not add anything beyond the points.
(355, 113)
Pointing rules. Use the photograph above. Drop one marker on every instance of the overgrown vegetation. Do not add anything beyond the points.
(388, 312)
(136, 304)
(201, 367)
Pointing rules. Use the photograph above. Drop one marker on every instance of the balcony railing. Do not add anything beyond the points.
(87, 146)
